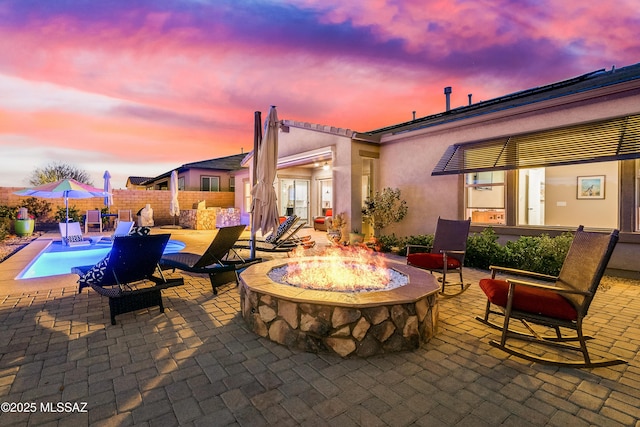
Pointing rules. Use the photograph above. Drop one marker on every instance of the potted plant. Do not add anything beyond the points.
(384, 208)
(24, 224)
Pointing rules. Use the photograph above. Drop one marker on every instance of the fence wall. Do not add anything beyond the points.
(132, 199)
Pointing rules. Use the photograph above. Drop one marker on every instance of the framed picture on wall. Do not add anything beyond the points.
(591, 187)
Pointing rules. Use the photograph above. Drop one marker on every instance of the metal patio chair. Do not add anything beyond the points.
(448, 251)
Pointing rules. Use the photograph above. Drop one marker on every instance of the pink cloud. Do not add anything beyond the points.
(191, 74)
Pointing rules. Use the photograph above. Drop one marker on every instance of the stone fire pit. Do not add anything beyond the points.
(346, 324)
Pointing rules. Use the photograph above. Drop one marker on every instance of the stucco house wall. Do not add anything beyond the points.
(407, 159)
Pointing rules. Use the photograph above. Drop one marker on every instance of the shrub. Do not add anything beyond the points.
(74, 214)
(37, 207)
(484, 250)
(5, 227)
(541, 254)
(390, 243)
(9, 212)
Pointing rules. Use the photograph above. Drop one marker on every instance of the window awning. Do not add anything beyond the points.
(606, 140)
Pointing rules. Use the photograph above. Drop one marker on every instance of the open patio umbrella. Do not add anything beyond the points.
(264, 207)
(174, 206)
(108, 200)
(65, 188)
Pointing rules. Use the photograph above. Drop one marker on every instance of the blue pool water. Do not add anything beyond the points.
(58, 259)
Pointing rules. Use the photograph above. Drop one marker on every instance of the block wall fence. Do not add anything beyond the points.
(132, 199)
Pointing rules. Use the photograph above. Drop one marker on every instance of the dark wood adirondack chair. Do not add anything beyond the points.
(561, 305)
(448, 251)
(131, 259)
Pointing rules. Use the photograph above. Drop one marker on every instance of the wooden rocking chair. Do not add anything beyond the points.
(563, 304)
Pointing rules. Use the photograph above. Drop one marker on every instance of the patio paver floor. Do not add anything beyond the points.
(197, 364)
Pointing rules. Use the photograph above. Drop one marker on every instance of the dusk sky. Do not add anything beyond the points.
(139, 87)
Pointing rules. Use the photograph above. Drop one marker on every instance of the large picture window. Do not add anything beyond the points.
(554, 196)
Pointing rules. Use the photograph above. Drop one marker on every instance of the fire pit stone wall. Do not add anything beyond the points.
(346, 324)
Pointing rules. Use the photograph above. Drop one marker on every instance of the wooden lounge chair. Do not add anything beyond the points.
(447, 253)
(562, 304)
(219, 261)
(131, 259)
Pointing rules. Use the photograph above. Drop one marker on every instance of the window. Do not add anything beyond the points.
(210, 183)
(181, 183)
(232, 184)
(247, 195)
(484, 199)
(550, 196)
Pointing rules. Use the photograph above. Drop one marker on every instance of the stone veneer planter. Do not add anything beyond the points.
(345, 324)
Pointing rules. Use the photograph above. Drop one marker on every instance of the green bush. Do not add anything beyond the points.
(484, 250)
(5, 227)
(389, 243)
(37, 207)
(541, 254)
(74, 214)
(8, 212)
(399, 244)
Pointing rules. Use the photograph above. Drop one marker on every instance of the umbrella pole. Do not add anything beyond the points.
(257, 137)
(66, 231)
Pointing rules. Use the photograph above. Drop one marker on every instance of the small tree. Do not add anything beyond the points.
(56, 171)
(384, 208)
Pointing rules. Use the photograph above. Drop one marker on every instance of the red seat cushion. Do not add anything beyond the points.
(319, 220)
(529, 300)
(430, 261)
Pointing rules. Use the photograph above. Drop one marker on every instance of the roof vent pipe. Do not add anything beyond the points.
(470, 98)
(414, 115)
(447, 93)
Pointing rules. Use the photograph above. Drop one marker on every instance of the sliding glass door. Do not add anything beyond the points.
(294, 198)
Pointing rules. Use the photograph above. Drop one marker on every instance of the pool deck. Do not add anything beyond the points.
(197, 364)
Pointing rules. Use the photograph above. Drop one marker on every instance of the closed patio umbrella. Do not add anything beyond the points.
(264, 200)
(174, 206)
(66, 188)
(108, 200)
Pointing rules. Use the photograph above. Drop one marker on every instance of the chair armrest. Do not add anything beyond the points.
(452, 252)
(515, 282)
(496, 269)
(409, 247)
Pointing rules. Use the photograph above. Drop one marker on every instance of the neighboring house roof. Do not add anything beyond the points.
(228, 163)
(586, 82)
(138, 180)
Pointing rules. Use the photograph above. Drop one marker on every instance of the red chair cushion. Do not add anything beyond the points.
(430, 261)
(319, 220)
(329, 212)
(529, 300)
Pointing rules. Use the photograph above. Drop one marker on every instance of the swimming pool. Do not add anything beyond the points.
(58, 259)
